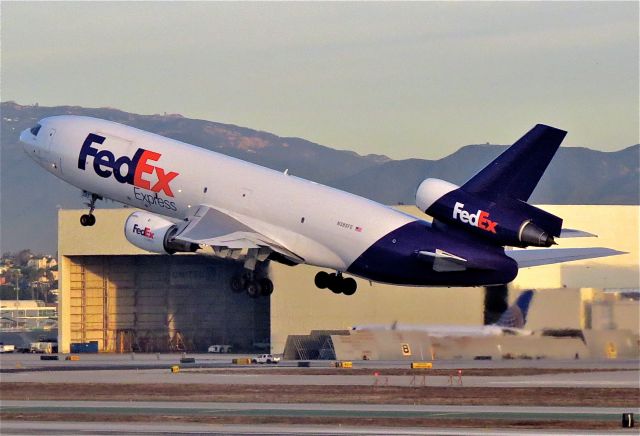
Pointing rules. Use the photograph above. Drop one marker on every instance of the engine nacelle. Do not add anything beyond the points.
(509, 222)
(156, 234)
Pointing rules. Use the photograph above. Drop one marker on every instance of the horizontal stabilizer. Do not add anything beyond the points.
(546, 256)
(445, 262)
(573, 233)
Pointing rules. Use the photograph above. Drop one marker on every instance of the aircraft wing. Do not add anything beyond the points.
(545, 256)
(223, 232)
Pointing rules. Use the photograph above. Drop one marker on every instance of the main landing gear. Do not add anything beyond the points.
(89, 219)
(253, 286)
(336, 283)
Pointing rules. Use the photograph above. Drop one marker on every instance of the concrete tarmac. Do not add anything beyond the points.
(11, 428)
(154, 369)
(611, 379)
(16, 361)
(377, 411)
(312, 409)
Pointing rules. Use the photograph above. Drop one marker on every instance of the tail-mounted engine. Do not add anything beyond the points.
(153, 233)
(505, 222)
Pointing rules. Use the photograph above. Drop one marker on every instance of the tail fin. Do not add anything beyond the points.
(517, 171)
(516, 315)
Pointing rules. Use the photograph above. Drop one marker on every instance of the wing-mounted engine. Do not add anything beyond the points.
(505, 221)
(156, 234)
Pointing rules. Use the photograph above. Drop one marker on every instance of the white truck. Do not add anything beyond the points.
(7, 348)
(265, 358)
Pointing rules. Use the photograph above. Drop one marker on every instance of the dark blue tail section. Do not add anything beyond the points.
(516, 315)
(516, 172)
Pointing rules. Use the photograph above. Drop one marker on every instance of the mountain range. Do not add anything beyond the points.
(30, 197)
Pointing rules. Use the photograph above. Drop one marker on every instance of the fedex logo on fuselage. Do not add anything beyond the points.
(479, 219)
(146, 232)
(124, 169)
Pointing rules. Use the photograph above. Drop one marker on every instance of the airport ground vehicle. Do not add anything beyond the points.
(220, 349)
(266, 358)
(7, 348)
(43, 347)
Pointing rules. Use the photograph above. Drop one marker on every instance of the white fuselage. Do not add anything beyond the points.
(324, 226)
(446, 330)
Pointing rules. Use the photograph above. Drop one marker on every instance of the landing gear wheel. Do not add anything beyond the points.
(253, 290)
(349, 286)
(266, 287)
(335, 283)
(87, 220)
(322, 280)
(237, 284)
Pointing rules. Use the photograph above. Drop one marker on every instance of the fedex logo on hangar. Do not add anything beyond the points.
(479, 219)
(124, 169)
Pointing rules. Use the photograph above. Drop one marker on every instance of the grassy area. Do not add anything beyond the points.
(520, 396)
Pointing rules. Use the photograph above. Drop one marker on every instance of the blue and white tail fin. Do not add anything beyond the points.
(516, 315)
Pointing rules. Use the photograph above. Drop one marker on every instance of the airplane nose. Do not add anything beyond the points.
(27, 138)
(25, 135)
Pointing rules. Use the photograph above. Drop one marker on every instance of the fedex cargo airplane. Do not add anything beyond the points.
(511, 322)
(193, 200)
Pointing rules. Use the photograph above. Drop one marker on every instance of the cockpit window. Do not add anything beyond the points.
(35, 129)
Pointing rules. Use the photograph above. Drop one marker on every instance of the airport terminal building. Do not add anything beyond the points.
(129, 300)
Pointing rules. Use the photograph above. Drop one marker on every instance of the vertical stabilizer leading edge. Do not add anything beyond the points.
(516, 315)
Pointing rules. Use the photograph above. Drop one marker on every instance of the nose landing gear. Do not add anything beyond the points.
(336, 283)
(88, 220)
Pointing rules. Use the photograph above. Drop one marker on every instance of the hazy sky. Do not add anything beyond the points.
(402, 79)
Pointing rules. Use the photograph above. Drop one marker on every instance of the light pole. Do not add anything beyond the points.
(18, 285)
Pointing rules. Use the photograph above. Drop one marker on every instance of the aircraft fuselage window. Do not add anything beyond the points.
(35, 129)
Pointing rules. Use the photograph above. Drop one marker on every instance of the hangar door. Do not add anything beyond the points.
(162, 304)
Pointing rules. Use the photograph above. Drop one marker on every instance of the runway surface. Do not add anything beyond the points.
(618, 379)
(309, 410)
(16, 361)
(315, 409)
(214, 370)
(111, 428)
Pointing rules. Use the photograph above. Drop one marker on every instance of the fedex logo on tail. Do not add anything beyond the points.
(129, 170)
(146, 232)
(479, 219)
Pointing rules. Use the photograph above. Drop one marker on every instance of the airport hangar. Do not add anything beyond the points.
(131, 300)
